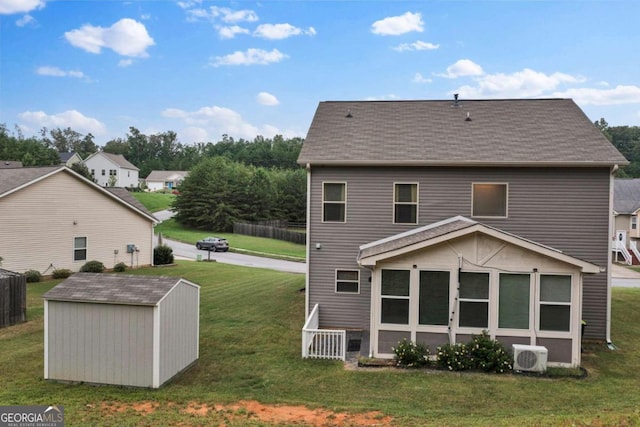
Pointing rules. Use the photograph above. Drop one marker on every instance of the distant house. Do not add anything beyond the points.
(120, 329)
(68, 159)
(436, 220)
(107, 168)
(10, 164)
(54, 218)
(164, 180)
(626, 206)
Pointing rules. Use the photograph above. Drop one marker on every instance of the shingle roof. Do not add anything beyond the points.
(501, 132)
(626, 195)
(64, 157)
(112, 288)
(125, 195)
(118, 159)
(10, 164)
(164, 175)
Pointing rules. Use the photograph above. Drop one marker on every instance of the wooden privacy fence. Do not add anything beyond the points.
(269, 231)
(13, 298)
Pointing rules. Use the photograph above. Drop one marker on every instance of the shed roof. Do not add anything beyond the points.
(106, 288)
(525, 132)
(626, 195)
(166, 175)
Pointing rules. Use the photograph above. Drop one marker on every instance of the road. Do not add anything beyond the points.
(189, 251)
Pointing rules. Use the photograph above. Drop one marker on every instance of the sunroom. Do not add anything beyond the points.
(444, 282)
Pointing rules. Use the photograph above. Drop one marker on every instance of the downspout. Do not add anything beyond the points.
(372, 313)
(610, 344)
(306, 280)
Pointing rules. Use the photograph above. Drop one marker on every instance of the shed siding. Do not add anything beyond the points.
(178, 330)
(39, 230)
(100, 343)
(565, 208)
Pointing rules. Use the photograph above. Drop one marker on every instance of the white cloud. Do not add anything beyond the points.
(8, 7)
(265, 98)
(525, 83)
(396, 25)
(25, 20)
(590, 96)
(209, 123)
(417, 45)
(462, 68)
(216, 14)
(281, 31)
(125, 63)
(71, 118)
(57, 72)
(419, 78)
(230, 32)
(126, 37)
(250, 57)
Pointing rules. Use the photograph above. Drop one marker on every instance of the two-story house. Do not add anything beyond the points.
(436, 220)
(112, 170)
(626, 231)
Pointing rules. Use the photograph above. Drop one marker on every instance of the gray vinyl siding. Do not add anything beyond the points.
(178, 330)
(565, 208)
(100, 343)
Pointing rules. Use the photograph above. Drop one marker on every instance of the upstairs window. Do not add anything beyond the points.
(405, 203)
(334, 202)
(634, 222)
(93, 172)
(348, 281)
(79, 248)
(103, 172)
(489, 200)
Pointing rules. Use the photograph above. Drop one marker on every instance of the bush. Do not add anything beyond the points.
(162, 255)
(92, 267)
(411, 355)
(61, 273)
(120, 267)
(481, 352)
(33, 276)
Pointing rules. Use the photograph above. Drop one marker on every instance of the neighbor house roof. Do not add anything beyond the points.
(166, 175)
(626, 196)
(64, 157)
(524, 132)
(12, 180)
(118, 159)
(453, 228)
(10, 164)
(113, 288)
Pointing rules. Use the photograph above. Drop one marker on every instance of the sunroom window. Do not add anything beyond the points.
(474, 300)
(395, 296)
(434, 298)
(514, 301)
(555, 303)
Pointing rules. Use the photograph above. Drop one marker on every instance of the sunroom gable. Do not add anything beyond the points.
(500, 247)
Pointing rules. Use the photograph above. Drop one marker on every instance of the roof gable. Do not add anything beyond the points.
(114, 288)
(454, 228)
(116, 159)
(524, 132)
(12, 180)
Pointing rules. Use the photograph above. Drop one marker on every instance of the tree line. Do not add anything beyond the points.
(627, 140)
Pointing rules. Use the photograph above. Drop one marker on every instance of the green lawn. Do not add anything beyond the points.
(154, 201)
(250, 350)
(238, 242)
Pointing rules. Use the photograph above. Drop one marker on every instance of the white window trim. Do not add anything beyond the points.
(412, 310)
(346, 193)
(532, 305)
(633, 222)
(86, 249)
(417, 202)
(350, 281)
(506, 206)
(488, 301)
(572, 311)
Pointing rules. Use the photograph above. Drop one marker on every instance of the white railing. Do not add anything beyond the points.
(634, 249)
(618, 247)
(322, 343)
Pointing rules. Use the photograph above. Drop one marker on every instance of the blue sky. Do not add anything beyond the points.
(244, 68)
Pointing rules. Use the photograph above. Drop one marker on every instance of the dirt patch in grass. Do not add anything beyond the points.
(256, 411)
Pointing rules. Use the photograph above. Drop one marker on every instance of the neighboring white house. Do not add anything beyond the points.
(54, 218)
(103, 166)
(165, 180)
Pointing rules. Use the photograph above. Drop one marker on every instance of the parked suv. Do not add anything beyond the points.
(213, 244)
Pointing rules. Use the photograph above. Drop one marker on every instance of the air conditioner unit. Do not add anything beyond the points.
(529, 358)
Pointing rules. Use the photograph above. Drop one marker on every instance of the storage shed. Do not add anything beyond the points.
(120, 329)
